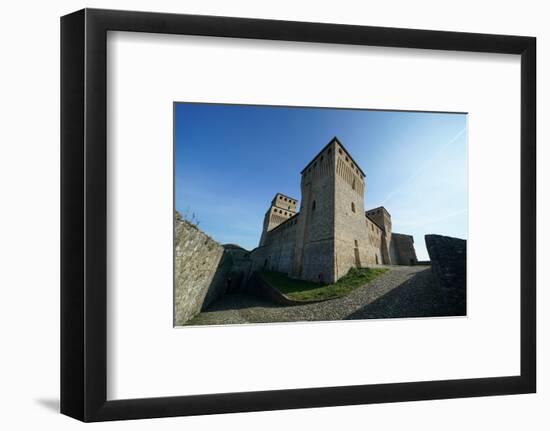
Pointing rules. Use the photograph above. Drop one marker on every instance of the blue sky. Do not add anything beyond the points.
(230, 160)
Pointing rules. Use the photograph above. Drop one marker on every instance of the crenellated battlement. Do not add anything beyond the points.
(284, 202)
(282, 208)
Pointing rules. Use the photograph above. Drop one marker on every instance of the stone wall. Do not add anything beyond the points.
(448, 260)
(352, 247)
(201, 270)
(277, 253)
(375, 244)
(241, 265)
(402, 250)
(315, 228)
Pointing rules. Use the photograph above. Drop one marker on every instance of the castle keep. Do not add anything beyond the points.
(331, 232)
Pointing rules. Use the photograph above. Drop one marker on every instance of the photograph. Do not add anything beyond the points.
(300, 214)
(281, 215)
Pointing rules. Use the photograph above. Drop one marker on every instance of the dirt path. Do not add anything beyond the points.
(404, 291)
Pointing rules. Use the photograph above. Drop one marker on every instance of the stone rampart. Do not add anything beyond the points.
(448, 260)
(402, 249)
(201, 270)
(278, 251)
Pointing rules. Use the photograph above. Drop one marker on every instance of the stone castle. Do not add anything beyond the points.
(331, 232)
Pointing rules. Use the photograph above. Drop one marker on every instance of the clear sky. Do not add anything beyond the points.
(230, 160)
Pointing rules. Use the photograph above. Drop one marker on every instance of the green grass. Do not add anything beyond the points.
(308, 291)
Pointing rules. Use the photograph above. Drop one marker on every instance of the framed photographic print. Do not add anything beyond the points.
(262, 215)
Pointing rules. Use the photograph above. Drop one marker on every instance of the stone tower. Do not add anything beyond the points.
(351, 241)
(281, 209)
(332, 232)
(382, 218)
(314, 246)
(331, 235)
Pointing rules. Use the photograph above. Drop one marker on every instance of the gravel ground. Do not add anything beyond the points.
(403, 291)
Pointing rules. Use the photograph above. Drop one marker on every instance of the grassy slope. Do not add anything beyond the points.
(308, 291)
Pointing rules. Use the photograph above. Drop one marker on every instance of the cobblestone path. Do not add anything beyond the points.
(403, 291)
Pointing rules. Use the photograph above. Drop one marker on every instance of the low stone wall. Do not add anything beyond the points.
(201, 270)
(448, 260)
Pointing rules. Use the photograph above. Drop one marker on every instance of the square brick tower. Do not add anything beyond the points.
(282, 208)
(331, 235)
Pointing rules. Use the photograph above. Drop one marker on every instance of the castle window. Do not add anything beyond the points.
(313, 206)
(329, 151)
(340, 150)
(353, 207)
(321, 158)
(347, 160)
(356, 243)
(353, 184)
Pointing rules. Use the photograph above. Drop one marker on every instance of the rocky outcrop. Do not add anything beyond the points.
(448, 260)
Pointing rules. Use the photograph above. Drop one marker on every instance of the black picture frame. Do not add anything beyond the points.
(84, 214)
